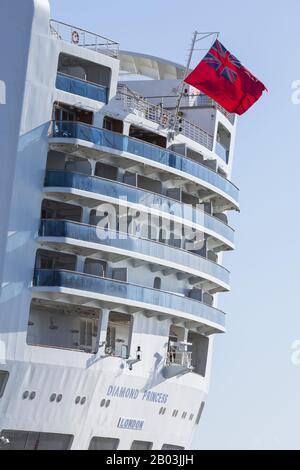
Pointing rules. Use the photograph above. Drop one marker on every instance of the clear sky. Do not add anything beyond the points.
(254, 401)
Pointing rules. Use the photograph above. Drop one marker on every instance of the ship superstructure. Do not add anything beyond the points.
(113, 224)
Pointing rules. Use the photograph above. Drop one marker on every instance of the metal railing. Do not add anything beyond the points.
(82, 38)
(206, 101)
(180, 358)
(134, 103)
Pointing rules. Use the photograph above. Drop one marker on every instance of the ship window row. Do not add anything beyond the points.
(111, 171)
(3, 381)
(28, 440)
(131, 222)
(53, 262)
(63, 326)
(65, 112)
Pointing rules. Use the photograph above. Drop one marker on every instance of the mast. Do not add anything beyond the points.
(181, 87)
(187, 69)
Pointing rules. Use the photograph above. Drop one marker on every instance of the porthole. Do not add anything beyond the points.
(53, 397)
(59, 398)
(164, 411)
(25, 395)
(32, 396)
(191, 417)
(161, 411)
(77, 400)
(102, 403)
(107, 404)
(83, 401)
(184, 415)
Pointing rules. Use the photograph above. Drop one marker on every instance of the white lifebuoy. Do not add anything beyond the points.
(75, 37)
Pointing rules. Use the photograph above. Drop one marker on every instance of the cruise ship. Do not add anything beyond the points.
(114, 219)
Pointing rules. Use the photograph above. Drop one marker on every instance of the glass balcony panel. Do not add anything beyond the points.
(57, 178)
(124, 143)
(112, 288)
(123, 241)
(82, 88)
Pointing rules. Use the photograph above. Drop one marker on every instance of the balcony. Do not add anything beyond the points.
(179, 358)
(83, 88)
(152, 251)
(116, 190)
(178, 362)
(113, 291)
(131, 102)
(209, 178)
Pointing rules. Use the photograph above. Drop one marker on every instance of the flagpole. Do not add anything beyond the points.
(181, 88)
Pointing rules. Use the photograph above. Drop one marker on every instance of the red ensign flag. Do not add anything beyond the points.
(221, 76)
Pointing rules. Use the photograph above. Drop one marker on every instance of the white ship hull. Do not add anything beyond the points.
(86, 357)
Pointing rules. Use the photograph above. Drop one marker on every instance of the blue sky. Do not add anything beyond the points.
(254, 401)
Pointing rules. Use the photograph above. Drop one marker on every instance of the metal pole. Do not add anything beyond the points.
(181, 88)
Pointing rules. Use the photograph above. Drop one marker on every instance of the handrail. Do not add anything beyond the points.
(93, 41)
(163, 117)
(177, 357)
(136, 238)
(209, 170)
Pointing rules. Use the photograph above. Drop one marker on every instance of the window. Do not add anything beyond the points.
(119, 335)
(141, 445)
(95, 267)
(88, 334)
(157, 283)
(200, 412)
(104, 443)
(25, 440)
(171, 447)
(55, 261)
(223, 143)
(120, 274)
(114, 125)
(3, 381)
(60, 211)
(198, 347)
(63, 327)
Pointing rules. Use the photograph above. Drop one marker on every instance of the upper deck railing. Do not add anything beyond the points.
(133, 102)
(82, 38)
(206, 101)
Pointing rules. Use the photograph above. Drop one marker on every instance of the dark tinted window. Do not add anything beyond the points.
(3, 381)
(104, 443)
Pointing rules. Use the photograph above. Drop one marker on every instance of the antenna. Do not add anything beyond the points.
(197, 37)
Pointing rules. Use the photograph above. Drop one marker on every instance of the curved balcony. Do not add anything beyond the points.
(116, 190)
(122, 143)
(144, 297)
(135, 247)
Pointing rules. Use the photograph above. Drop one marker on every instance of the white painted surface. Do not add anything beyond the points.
(29, 67)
